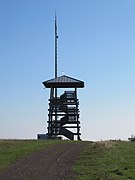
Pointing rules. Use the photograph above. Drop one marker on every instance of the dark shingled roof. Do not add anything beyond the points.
(63, 82)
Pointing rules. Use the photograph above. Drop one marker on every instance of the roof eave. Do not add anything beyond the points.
(63, 85)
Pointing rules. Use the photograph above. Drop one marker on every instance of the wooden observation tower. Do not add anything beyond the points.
(63, 112)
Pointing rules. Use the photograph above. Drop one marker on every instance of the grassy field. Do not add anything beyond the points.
(105, 160)
(11, 150)
(109, 160)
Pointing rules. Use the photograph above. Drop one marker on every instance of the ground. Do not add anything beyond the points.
(54, 163)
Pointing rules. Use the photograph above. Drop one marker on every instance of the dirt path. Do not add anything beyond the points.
(54, 163)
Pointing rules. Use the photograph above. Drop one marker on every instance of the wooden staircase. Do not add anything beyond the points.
(67, 116)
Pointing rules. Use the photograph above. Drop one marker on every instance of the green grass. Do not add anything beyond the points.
(12, 150)
(109, 160)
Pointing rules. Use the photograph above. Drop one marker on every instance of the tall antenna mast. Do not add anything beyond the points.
(56, 37)
(56, 64)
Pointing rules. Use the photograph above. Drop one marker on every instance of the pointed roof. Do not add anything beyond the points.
(63, 82)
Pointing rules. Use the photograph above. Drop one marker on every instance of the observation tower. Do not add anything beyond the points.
(63, 112)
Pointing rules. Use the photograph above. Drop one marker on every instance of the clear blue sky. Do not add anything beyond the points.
(96, 44)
